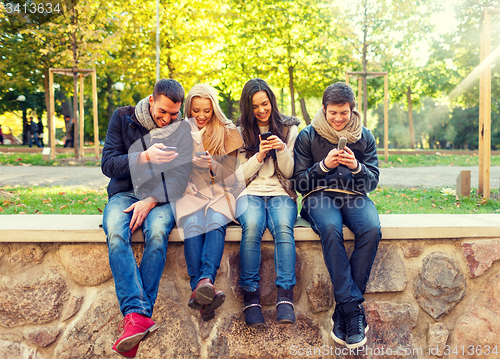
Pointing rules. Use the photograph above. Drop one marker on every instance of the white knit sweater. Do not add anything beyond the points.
(266, 183)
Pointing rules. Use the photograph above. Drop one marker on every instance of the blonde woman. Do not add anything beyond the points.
(207, 205)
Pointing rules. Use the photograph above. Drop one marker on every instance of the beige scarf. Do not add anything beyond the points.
(352, 131)
(144, 117)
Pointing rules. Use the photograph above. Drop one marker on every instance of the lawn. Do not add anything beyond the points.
(417, 160)
(70, 200)
(35, 159)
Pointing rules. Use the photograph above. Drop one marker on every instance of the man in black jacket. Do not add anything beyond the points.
(334, 184)
(147, 155)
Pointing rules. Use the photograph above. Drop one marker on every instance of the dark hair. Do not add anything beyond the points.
(338, 94)
(169, 88)
(248, 122)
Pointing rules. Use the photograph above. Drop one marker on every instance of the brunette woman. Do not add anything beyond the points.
(208, 204)
(267, 162)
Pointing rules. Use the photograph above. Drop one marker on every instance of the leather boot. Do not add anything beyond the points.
(284, 306)
(203, 294)
(252, 310)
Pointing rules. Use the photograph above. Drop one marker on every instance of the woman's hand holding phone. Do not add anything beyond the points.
(265, 146)
(203, 159)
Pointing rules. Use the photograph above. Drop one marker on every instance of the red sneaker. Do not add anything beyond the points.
(135, 328)
(129, 354)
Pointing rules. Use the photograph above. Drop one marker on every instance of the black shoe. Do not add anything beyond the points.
(356, 324)
(284, 306)
(339, 327)
(252, 310)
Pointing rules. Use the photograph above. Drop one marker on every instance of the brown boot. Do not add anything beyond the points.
(203, 294)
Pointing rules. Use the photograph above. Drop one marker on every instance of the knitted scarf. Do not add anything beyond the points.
(352, 131)
(144, 117)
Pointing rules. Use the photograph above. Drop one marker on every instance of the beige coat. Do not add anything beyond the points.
(216, 191)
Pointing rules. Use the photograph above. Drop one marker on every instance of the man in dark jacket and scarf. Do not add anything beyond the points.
(147, 156)
(334, 184)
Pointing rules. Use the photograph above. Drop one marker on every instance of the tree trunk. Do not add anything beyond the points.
(410, 119)
(109, 91)
(76, 137)
(304, 111)
(365, 61)
(292, 93)
(47, 102)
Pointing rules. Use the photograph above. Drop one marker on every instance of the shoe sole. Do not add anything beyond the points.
(356, 345)
(128, 343)
(117, 352)
(209, 312)
(204, 296)
(339, 340)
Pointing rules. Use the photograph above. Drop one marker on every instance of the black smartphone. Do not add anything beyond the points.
(201, 153)
(170, 148)
(265, 135)
(342, 143)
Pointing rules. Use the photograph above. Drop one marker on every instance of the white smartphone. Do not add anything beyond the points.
(342, 143)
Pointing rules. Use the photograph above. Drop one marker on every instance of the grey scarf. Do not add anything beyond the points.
(144, 117)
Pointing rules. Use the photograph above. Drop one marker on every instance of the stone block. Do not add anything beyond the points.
(412, 250)
(31, 298)
(320, 293)
(73, 306)
(438, 336)
(463, 184)
(42, 336)
(268, 291)
(388, 272)
(480, 256)
(479, 325)
(30, 253)
(17, 350)
(440, 285)
(87, 264)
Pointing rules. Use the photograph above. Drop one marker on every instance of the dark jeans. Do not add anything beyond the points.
(33, 139)
(204, 237)
(278, 213)
(136, 287)
(327, 213)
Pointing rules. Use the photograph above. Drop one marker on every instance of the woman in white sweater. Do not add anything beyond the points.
(269, 200)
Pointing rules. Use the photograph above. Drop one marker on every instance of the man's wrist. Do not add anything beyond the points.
(323, 166)
(357, 169)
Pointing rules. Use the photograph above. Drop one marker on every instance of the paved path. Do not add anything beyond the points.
(92, 177)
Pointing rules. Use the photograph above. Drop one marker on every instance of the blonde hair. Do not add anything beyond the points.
(218, 129)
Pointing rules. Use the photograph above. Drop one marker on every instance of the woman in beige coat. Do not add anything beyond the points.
(208, 203)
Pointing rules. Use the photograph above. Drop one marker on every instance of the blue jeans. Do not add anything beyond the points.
(278, 213)
(136, 287)
(327, 213)
(204, 238)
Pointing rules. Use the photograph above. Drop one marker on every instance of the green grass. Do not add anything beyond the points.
(430, 201)
(418, 160)
(35, 159)
(53, 200)
(70, 200)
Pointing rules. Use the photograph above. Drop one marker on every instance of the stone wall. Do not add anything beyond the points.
(57, 300)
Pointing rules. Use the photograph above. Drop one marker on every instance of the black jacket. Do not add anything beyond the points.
(125, 140)
(310, 149)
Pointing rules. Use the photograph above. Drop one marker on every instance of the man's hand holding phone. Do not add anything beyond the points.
(158, 153)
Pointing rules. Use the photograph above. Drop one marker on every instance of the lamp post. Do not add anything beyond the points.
(119, 86)
(22, 100)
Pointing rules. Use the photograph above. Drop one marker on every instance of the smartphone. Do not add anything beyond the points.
(342, 143)
(201, 153)
(265, 135)
(169, 148)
